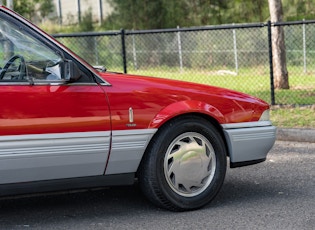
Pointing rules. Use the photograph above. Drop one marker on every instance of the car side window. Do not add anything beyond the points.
(23, 57)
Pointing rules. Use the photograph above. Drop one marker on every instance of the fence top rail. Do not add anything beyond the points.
(187, 29)
(293, 23)
(153, 31)
(87, 34)
(199, 28)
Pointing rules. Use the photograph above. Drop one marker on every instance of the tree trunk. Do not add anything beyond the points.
(281, 76)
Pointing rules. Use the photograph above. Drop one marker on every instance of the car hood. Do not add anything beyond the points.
(233, 106)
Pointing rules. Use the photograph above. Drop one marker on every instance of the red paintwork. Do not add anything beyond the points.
(52, 109)
(157, 100)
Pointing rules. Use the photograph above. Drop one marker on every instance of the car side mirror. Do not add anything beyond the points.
(71, 71)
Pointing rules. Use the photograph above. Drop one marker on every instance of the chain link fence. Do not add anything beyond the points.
(231, 56)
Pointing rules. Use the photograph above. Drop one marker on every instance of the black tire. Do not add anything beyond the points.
(184, 165)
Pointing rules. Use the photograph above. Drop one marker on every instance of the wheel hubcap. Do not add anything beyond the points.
(189, 164)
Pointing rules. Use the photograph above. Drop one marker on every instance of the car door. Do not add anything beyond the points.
(50, 128)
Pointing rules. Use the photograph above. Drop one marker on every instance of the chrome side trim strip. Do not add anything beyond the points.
(44, 83)
(128, 147)
(105, 84)
(37, 157)
(246, 124)
(14, 83)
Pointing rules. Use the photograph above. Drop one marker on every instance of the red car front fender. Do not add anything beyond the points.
(185, 107)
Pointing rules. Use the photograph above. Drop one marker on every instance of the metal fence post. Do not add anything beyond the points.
(123, 50)
(79, 10)
(135, 65)
(272, 88)
(179, 42)
(96, 50)
(100, 3)
(60, 12)
(304, 47)
(235, 50)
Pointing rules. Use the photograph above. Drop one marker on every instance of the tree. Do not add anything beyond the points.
(245, 11)
(281, 76)
(296, 10)
(137, 14)
(32, 8)
(45, 7)
(148, 14)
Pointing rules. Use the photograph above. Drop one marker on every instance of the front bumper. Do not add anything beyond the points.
(249, 142)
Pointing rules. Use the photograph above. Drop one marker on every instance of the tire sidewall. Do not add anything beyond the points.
(165, 138)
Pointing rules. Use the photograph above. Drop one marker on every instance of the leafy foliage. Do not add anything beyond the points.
(139, 14)
(87, 22)
(158, 14)
(148, 14)
(32, 8)
(144, 14)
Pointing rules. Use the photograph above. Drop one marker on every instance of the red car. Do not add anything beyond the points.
(65, 125)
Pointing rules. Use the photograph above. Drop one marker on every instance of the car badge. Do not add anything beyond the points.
(131, 124)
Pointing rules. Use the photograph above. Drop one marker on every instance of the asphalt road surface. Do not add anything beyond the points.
(277, 194)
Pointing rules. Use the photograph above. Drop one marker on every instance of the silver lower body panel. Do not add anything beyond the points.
(25, 158)
(251, 143)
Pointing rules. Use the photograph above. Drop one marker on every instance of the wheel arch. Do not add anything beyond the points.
(190, 108)
(187, 107)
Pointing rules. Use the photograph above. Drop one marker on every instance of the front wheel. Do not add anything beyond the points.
(184, 165)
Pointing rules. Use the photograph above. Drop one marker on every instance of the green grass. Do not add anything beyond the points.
(298, 117)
